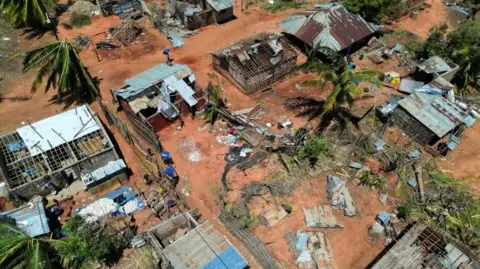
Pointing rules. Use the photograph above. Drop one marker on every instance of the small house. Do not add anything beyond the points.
(195, 14)
(185, 244)
(161, 95)
(48, 155)
(422, 246)
(428, 119)
(435, 68)
(31, 218)
(255, 63)
(329, 26)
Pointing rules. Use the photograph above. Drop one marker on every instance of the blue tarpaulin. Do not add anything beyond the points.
(301, 241)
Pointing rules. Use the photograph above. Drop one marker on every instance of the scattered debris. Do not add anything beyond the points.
(82, 41)
(338, 192)
(83, 8)
(105, 45)
(128, 31)
(229, 139)
(321, 217)
(272, 216)
(190, 148)
(383, 198)
(316, 252)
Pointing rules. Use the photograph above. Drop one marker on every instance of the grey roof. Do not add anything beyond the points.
(435, 64)
(108, 170)
(138, 84)
(32, 219)
(330, 25)
(204, 247)
(57, 130)
(435, 112)
(219, 5)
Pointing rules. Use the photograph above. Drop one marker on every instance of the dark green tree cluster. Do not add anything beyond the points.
(373, 9)
(85, 243)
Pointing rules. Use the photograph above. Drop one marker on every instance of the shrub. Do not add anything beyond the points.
(314, 148)
(80, 20)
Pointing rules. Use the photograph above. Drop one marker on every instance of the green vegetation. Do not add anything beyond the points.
(461, 46)
(314, 148)
(60, 64)
(108, 243)
(336, 107)
(215, 101)
(279, 5)
(448, 205)
(85, 243)
(30, 13)
(374, 9)
(79, 20)
(372, 180)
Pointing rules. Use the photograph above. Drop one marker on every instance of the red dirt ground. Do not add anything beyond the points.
(352, 247)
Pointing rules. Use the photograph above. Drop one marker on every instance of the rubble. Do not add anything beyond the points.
(338, 192)
(82, 41)
(321, 217)
(128, 31)
(83, 8)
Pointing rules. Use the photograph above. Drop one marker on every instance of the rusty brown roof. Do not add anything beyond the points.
(330, 25)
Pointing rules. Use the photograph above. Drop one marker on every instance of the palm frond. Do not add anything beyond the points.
(369, 76)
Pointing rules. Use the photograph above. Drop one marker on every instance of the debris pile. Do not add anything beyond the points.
(190, 148)
(82, 41)
(83, 8)
(321, 217)
(128, 31)
(311, 250)
(338, 192)
(98, 209)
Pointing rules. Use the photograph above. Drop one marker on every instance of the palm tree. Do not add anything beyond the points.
(19, 250)
(60, 64)
(32, 13)
(336, 107)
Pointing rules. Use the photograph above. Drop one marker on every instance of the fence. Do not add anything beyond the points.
(144, 154)
(249, 241)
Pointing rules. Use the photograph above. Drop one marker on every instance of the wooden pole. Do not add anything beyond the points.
(419, 173)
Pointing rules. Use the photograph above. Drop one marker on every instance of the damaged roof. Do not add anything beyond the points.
(434, 64)
(204, 247)
(220, 5)
(136, 85)
(435, 112)
(31, 219)
(329, 25)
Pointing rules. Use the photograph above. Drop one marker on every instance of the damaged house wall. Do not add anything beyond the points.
(255, 63)
(413, 127)
(195, 14)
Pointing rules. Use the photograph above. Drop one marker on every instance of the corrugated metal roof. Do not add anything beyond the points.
(219, 5)
(331, 26)
(206, 248)
(138, 84)
(109, 169)
(435, 112)
(441, 83)
(434, 64)
(57, 130)
(32, 220)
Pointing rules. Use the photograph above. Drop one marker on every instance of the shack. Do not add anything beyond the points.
(434, 68)
(430, 119)
(422, 246)
(48, 155)
(31, 218)
(329, 26)
(255, 63)
(185, 244)
(161, 95)
(195, 14)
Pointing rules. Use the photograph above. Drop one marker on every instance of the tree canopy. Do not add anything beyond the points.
(372, 9)
(60, 64)
(31, 13)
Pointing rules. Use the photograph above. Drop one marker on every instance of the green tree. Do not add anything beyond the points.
(31, 13)
(20, 251)
(436, 43)
(372, 9)
(89, 242)
(60, 64)
(337, 106)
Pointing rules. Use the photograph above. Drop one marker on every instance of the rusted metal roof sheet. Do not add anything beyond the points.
(331, 26)
(435, 112)
(434, 64)
(204, 247)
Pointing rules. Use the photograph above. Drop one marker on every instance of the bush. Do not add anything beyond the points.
(80, 20)
(314, 148)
